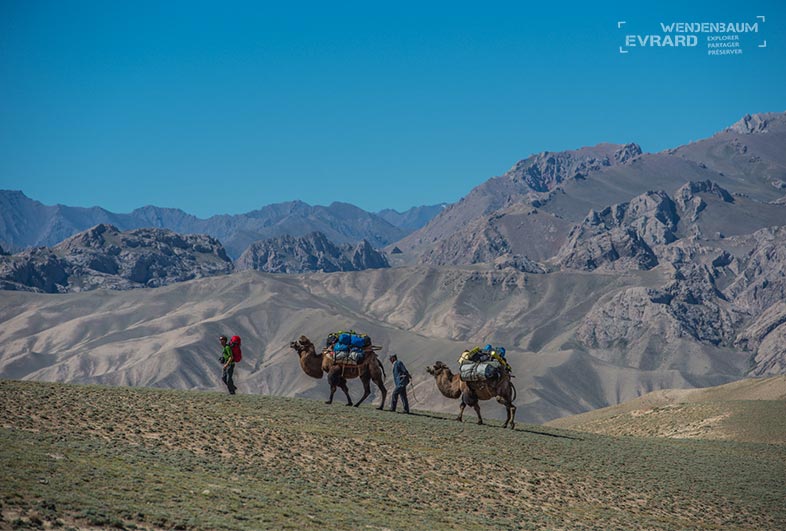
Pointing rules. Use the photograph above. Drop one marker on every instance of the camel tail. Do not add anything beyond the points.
(382, 366)
(514, 392)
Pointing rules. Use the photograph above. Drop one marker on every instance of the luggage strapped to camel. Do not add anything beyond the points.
(479, 364)
(348, 347)
(480, 371)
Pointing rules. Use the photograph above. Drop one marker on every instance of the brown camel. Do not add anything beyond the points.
(315, 365)
(452, 386)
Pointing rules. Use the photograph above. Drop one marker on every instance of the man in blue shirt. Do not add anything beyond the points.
(401, 379)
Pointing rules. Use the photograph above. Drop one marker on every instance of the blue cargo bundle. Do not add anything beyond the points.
(348, 347)
(350, 338)
(354, 339)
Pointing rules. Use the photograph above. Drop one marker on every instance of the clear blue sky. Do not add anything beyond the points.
(223, 107)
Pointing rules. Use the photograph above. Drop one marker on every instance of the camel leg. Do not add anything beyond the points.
(460, 418)
(477, 410)
(366, 379)
(337, 381)
(332, 392)
(382, 389)
(507, 405)
(510, 411)
(344, 388)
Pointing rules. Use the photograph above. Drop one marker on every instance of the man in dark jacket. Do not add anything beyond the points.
(228, 361)
(401, 379)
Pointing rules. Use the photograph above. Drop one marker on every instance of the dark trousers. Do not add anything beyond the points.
(226, 377)
(402, 392)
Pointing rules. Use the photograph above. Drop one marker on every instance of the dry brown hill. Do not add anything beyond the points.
(750, 410)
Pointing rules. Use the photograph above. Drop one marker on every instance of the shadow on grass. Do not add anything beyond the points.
(533, 432)
(555, 435)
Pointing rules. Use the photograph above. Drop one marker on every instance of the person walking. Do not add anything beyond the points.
(228, 361)
(401, 379)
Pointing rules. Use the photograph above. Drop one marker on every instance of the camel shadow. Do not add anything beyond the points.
(434, 416)
(556, 435)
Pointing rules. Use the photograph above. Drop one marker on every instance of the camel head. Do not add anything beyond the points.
(302, 345)
(437, 369)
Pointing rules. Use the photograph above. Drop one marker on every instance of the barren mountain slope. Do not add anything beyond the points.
(167, 337)
(750, 410)
(750, 153)
(744, 159)
(532, 179)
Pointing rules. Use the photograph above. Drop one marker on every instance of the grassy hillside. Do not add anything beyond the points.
(82, 456)
(752, 410)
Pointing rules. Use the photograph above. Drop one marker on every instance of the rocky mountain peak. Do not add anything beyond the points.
(312, 252)
(544, 171)
(364, 256)
(688, 191)
(692, 204)
(622, 236)
(104, 257)
(627, 152)
(750, 124)
(92, 238)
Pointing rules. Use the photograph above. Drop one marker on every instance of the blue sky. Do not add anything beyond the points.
(223, 107)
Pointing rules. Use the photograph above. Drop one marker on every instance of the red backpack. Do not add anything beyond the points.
(234, 344)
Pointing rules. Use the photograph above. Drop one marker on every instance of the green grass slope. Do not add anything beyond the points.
(750, 410)
(129, 458)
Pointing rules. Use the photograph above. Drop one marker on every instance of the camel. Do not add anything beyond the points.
(451, 386)
(315, 365)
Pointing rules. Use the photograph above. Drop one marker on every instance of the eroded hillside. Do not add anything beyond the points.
(96, 457)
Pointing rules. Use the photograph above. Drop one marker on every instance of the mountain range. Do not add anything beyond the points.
(546, 194)
(25, 222)
(605, 271)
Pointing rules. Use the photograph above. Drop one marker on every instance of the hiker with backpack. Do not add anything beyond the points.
(230, 354)
(401, 379)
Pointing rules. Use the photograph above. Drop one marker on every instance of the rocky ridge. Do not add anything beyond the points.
(532, 181)
(723, 292)
(545, 171)
(746, 159)
(105, 257)
(312, 252)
